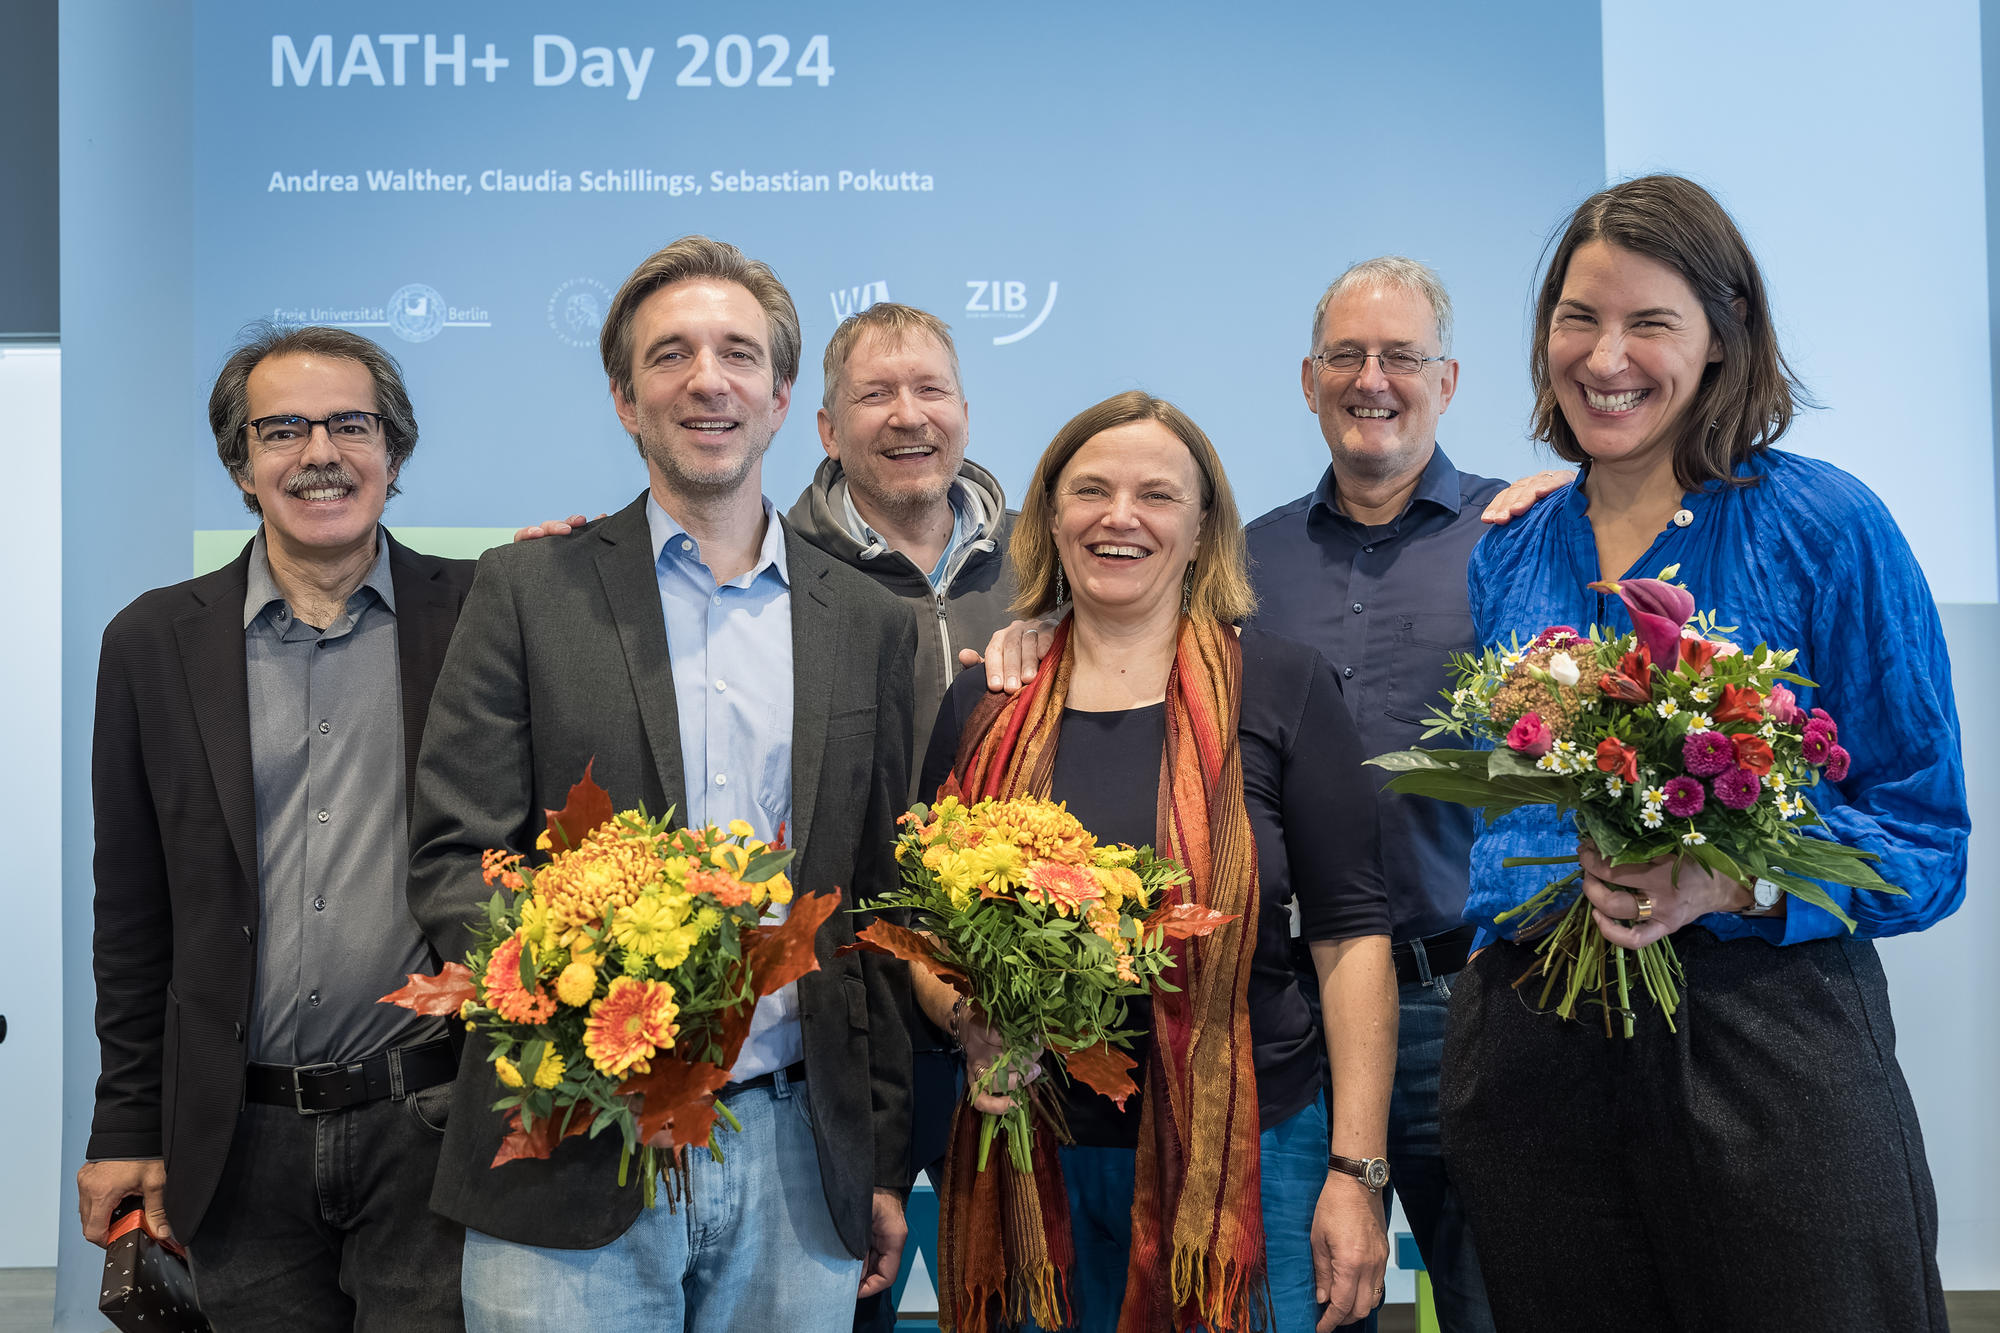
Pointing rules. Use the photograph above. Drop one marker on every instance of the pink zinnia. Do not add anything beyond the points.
(1738, 788)
(1685, 797)
(1707, 753)
(1837, 761)
(1818, 741)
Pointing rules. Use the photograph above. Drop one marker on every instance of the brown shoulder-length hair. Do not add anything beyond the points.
(1222, 560)
(1748, 398)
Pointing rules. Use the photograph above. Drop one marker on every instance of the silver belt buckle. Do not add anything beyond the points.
(299, 1092)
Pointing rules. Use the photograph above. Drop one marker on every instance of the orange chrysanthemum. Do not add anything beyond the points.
(609, 870)
(633, 1020)
(505, 994)
(725, 889)
(1066, 888)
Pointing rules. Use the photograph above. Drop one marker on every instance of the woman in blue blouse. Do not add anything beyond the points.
(1762, 1167)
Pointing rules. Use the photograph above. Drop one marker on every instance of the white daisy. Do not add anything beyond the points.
(1700, 722)
(1701, 694)
(1614, 786)
(1693, 839)
(1666, 708)
(1651, 817)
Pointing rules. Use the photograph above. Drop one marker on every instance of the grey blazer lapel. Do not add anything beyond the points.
(211, 646)
(815, 631)
(625, 566)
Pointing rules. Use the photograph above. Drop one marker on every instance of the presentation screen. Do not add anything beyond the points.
(1095, 198)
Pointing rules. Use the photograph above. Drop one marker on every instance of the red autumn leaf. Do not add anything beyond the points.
(777, 842)
(913, 947)
(1740, 703)
(676, 1101)
(781, 954)
(732, 1032)
(444, 993)
(589, 806)
(1104, 1069)
(540, 1142)
(1185, 921)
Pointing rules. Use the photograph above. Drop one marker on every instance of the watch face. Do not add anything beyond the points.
(1378, 1173)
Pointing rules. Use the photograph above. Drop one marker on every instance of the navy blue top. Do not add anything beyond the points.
(1386, 606)
(1806, 558)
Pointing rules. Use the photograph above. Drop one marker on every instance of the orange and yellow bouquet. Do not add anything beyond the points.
(1045, 931)
(615, 981)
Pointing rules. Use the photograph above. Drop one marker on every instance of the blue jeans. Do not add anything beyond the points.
(753, 1247)
(1292, 1158)
(1417, 1167)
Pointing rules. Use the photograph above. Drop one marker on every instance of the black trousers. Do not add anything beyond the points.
(322, 1224)
(1760, 1169)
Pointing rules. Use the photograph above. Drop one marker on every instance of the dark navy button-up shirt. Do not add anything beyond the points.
(1386, 605)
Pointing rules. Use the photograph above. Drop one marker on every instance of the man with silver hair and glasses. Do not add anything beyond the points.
(1369, 568)
(256, 732)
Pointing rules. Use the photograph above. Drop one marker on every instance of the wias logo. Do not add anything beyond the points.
(853, 300)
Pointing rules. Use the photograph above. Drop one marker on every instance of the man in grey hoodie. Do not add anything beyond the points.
(896, 497)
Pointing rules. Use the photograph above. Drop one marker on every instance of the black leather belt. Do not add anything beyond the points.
(317, 1089)
(1444, 954)
(795, 1072)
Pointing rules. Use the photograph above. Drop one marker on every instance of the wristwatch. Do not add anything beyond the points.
(1370, 1171)
(1765, 894)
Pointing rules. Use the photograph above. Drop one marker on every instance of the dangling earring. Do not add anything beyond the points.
(1062, 590)
(1187, 588)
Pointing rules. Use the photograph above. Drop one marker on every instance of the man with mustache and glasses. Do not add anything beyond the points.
(256, 738)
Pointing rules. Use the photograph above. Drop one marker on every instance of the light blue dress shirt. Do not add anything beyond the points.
(731, 650)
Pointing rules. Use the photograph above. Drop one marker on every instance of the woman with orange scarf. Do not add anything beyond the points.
(1210, 1200)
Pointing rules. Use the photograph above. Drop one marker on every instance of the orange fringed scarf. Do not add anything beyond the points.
(1197, 1221)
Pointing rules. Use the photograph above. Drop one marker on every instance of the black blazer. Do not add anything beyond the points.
(175, 950)
(561, 659)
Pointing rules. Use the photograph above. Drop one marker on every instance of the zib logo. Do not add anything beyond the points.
(853, 300)
(1005, 298)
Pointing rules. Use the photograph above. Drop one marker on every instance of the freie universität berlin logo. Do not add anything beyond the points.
(416, 312)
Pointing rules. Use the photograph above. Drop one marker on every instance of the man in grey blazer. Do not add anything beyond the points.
(661, 643)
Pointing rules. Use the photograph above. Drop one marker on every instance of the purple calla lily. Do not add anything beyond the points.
(1658, 611)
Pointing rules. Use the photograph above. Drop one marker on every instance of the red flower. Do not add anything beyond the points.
(1697, 653)
(1633, 681)
(1531, 736)
(1614, 756)
(1553, 634)
(1753, 753)
(1837, 762)
(1740, 703)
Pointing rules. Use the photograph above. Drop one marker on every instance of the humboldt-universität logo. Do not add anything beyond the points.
(576, 311)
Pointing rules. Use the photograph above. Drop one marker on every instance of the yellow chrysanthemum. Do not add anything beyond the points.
(643, 925)
(706, 920)
(780, 889)
(576, 984)
(542, 841)
(674, 951)
(740, 828)
(997, 865)
(733, 858)
(509, 1073)
(551, 1070)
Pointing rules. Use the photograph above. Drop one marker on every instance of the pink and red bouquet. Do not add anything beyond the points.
(1670, 741)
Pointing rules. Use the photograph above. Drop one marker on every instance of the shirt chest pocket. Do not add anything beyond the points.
(1419, 660)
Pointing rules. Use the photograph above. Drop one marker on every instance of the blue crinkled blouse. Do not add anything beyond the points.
(1806, 558)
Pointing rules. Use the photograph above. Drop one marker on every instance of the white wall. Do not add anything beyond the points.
(30, 738)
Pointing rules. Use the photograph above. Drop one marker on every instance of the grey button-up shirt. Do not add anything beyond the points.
(326, 745)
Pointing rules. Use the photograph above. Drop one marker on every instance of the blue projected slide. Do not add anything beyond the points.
(1095, 197)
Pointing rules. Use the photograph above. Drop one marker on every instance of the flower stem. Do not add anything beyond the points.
(1624, 994)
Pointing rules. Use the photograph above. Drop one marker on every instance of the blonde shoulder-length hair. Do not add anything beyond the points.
(1222, 563)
